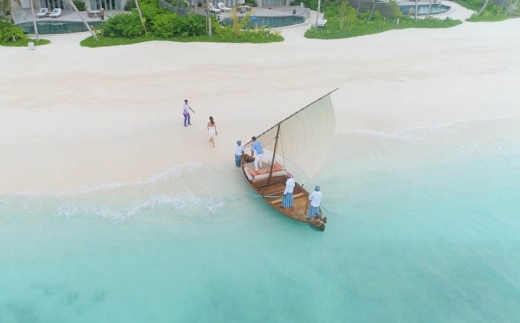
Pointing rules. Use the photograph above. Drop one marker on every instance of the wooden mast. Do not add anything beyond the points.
(274, 154)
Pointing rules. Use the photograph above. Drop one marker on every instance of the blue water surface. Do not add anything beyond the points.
(423, 227)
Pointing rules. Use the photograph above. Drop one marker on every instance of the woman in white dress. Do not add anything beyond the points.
(212, 130)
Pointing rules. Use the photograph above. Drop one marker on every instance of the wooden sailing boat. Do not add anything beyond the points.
(300, 145)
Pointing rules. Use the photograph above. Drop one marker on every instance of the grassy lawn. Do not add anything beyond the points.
(376, 27)
(474, 5)
(492, 12)
(118, 41)
(487, 17)
(24, 42)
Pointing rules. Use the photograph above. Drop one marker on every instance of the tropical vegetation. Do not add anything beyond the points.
(344, 21)
(5, 7)
(80, 5)
(160, 24)
(13, 36)
(488, 10)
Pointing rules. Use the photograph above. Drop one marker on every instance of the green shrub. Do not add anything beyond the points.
(378, 16)
(487, 16)
(221, 35)
(129, 5)
(191, 25)
(149, 11)
(163, 25)
(363, 27)
(122, 25)
(474, 5)
(396, 11)
(168, 25)
(10, 33)
(491, 13)
(80, 5)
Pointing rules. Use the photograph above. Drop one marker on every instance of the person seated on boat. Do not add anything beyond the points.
(287, 198)
(257, 147)
(315, 198)
(239, 151)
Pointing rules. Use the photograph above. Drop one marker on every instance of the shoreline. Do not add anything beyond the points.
(74, 116)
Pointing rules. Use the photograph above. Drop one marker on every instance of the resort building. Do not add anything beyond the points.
(120, 4)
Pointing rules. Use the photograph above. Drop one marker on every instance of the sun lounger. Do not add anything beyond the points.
(55, 13)
(222, 7)
(212, 9)
(42, 13)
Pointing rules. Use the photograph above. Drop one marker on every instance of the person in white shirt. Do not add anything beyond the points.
(186, 112)
(239, 150)
(315, 198)
(287, 199)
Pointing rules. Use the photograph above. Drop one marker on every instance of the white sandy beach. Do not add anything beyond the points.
(73, 116)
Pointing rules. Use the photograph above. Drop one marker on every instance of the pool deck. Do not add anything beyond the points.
(71, 16)
(456, 11)
(272, 12)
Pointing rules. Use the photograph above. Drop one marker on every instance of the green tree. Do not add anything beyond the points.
(352, 16)
(6, 6)
(343, 13)
(239, 24)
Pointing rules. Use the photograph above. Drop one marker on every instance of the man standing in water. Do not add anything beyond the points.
(257, 147)
(239, 150)
(315, 198)
(287, 198)
(186, 112)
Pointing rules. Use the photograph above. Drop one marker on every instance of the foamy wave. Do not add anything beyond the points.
(189, 186)
(114, 215)
(368, 150)
(172, 173)
(406, 132)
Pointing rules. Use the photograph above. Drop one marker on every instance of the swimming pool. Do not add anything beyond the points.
(422, 9)
(282, 21)
(57, 27)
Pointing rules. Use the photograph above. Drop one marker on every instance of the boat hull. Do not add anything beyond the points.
(271, 192)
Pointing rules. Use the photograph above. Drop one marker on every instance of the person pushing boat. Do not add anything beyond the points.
(315, 198)
(239, 151)
(287, 198)
(257, 148)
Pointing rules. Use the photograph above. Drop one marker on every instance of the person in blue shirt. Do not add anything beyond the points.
(257, 147)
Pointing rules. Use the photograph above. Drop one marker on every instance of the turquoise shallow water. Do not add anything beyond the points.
(423, 227)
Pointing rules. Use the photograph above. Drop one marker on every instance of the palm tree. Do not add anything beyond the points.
(429, 9)
(140, 15)
(483, 7)
(5, 5)
(374, 4)
(34, 21)
(82, 19)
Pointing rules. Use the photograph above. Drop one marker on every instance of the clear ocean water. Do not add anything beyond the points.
(423, 227)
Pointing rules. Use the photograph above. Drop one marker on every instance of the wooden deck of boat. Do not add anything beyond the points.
(273, 195)
(299, 210)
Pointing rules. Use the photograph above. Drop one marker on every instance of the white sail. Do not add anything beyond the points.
(305, 138)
